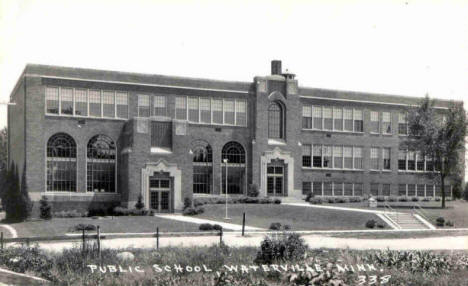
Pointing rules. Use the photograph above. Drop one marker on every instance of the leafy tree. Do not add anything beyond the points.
(140, 205)
(3, 148)
(440, 135)
(25, 204)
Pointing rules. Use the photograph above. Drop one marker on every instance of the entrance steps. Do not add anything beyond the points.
(407, 221)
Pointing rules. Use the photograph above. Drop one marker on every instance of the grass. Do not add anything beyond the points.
(128, 224)
(298, 218)
(400, 234)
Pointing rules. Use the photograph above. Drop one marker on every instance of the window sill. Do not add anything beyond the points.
(331, 169)
(379, 171)
(334, 131)
(159, 150)
(84, 117)
(276, 142)
(414, 172)
(80, 194)
(212, 124)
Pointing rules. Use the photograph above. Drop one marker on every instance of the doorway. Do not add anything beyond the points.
(160, 194)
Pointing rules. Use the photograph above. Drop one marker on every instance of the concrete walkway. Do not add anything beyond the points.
(334, 208)
(230, 226)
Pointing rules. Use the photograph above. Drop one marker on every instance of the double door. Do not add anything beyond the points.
(160, 195)
(275, 180)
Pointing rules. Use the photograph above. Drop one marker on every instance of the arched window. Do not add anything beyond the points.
(234, 152)
(275, 121)
(61, 163)
(100, 159)
(202, 167)
(235, 168)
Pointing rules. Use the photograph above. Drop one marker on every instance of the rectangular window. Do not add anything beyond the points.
(159, 105)
(143, 105)
(317, 188)
(374, 158)
(66, 101)
(217, 108)
(327, 156)
(374, 122)
(229, 112)
(348, 157)
(358, 122)
(108, 104)
(402, 160)
(181, 108)
(121, 99)
(306, 188)
(429, 163)
(386, 123)
(338, 118)
(307, 117)
(306, 155)
(420, 190)
(317, 160)
(411, 160)
(374, 189)
(337, 157)
(429, 190)
(357, 157)
(161, 134)
(402, 124)
(386, 158)
(95, 103)
(402, 190)
(386, 190)
(420, 161)
(193, 109)
(81, 102)
(327, 118)
(358, 189)
(338, 189)
(241, 113)
(348, 189)
(205, 110)
(348, 119)
(438, 191)
(327, 189)
(317, 112)
(52, 100)
(411, 190)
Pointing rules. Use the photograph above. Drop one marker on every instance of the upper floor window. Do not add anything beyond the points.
(161, 134)
(374, 122)
(66, 101)
(332, 118)
(338, 118)
(217, 109)
(121, 101)
(143, 105)
(108, 104)
(386, 123)
(402, 124)
(275, 121)
(81, 102)
(327, 118)
(307, 117)
(205, 110)
(159, 105)
(181, 107)
(229, 112)
(95, 109)
(386, 158)
(348, 119)
(52, 100)
(358, 122)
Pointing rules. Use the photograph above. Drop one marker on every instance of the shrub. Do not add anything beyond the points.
(392, 199)
(380, 225)
(370, 223)
(140, 205)
(340, 200)
(415, 199)
(316, 201)
(284, 247)
(45, 208)
(275, 226)
(426, 199)
(277, 201)
(309, 196)
(449, 223)
(97, 212)
(15, 197)
(217, 227)
(380, 199)
(205, 227)
(26, 259)
(440, 221)
(330, 200)
(355, 200)
(286, 227)
(403, 199)
(437, 199)
(188, 203)
(193, 211)
(253, 191)
(68, 214)
(86, 227)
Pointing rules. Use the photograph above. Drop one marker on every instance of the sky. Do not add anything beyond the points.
(396, 47)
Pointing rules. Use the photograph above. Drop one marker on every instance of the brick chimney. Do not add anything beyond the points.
(276, 67)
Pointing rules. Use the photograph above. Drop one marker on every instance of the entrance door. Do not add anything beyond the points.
(275, 180)
(160, 195)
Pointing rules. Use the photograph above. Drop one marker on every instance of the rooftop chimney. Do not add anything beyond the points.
(276, 67)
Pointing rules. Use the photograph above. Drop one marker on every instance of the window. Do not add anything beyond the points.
(358, 189)
(100, 164)
(159, 105)
(241, 113)
(122, 104)
(143, 105)
(202, 167)
(429, 190)
(327, 156)
(348, 119)
(327, 189)
(402, 159)
(317, 188)
(358, 122)
(338, 157)
(348, 189)
(411, 190)
(374, 122)
(429, 163)
(402, 190)
(338, 118)
(317, 112)
(52, 100)
(337, 189)
(275, 121)
(193, 109)
(327, 118)
(419, 161)
(229, 113)
(61, 163)
(306, 188)
(181, 108)
(402, 124)
(357, 157)
(348, 157)
(306, 117)
(420, 192)
(374, 158)
(386, 158)
(386, 123)
(386, 190)
(317, 160)
(81, 102)
(234, 152)
(411, 160)
(217, 109)
(108, 104)
(438, 191)
(95, 103)
(66, 101)
(161, 134)
(205, 110)
(374, 189)
(306, 155)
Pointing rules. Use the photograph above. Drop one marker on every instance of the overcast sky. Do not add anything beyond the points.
(396, 47)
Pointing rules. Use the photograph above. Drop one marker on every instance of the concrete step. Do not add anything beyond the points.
(406, 221)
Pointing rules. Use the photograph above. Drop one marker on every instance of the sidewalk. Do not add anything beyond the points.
(190, 219)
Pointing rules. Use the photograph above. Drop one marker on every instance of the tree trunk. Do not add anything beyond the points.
(442, 181)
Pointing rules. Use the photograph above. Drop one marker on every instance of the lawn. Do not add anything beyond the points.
(128, 224)
(298, 218)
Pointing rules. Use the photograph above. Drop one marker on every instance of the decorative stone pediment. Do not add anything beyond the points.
(276, 95)
(277, 154)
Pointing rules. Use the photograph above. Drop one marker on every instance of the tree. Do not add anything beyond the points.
(3, 148)
(15, 198)
(440, 135)
(25, 204)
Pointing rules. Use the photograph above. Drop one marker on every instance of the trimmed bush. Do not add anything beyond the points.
(380, 199)
(275, 226)
(370, 223)
(205, 227)
(392, 199)
(380, 225)
(437, 199)
(403, 199)
(253, 191)
(449, 223)
(69, 214)
(45, 208)
(440, 221)
(277, 201)
(284, 247)
(415, 199)
(426, 199)
(316, 201)
(309, 197)
(193, 211)
(86, 227)
(188, 203)
(217, 227)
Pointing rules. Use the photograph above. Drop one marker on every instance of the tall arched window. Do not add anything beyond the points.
(235, 154)
(202, 167)
(61, 163)
(275, 121)
(100, 159)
